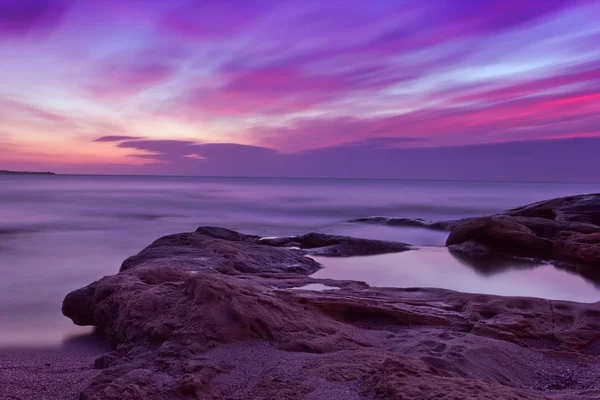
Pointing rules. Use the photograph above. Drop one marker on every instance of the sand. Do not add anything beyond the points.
(49, 373)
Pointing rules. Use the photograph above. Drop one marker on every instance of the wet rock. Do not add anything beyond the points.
(583, 248)
(337, 246)
(409, 222)
(221, 250)
(78, 305)
(582, 208)
(564, 229)
(227, 250)
(211, 315)
(227, 234)
(499, 235)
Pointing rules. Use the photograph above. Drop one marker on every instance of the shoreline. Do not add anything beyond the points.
(219, 314)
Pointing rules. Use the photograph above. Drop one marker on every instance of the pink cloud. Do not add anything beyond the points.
(110, 139)
(572, 113)
(374, 75)
(122, 80)
(282, 89)
(569, 160)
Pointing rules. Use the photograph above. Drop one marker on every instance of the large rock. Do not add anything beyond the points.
(187, 321)
(224, 249)
(565, 229)
(582, 208)
(197, 250)
(583, 248)
(499, 235)
(336, 246)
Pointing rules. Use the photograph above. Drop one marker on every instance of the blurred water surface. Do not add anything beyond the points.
(58, 233)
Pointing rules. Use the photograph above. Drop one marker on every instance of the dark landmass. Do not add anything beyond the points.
(216, 314)
(4, 172)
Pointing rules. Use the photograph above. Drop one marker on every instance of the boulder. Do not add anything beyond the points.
(582, 208)
(499, 235)
(582, 248)
(221, 251)
(565, 229)
(337, 246)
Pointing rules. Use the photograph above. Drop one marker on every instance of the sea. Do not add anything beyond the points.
(59, 233)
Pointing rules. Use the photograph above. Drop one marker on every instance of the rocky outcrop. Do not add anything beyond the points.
(409, 222)
(227, 250)
(336, 246)
(220, 315)
(565, 229)
(582, 208)
(502, 235)
(192, 251)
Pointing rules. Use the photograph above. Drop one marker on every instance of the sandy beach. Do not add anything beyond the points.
(58, 373)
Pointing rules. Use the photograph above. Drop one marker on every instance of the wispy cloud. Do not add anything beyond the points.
(117, 138)
(166, 82)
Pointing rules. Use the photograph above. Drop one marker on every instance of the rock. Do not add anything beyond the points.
(499, 235)
(565, 229)
(409, 378)
(227, 234)
(222, 251)
(337, 246)
(409, 222)
(187, 322)
(582, 208)
(559, 229)
(227, 250)
(583, 248)
(79, 303)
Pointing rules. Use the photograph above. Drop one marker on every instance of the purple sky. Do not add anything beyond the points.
(445, 89)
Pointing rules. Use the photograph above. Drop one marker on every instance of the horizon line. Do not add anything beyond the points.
(309, 177)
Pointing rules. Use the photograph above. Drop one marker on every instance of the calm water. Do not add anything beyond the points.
(58, 233)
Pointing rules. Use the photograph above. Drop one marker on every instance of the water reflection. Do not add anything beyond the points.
(492, 265)
(437, 267)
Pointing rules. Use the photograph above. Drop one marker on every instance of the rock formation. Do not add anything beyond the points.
(216, 314)
(565, 229)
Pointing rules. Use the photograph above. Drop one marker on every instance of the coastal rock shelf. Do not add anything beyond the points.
(565, 229)
(216, 314)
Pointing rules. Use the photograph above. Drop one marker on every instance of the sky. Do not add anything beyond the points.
(440, 89)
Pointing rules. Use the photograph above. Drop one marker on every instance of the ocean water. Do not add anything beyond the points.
(59, 233)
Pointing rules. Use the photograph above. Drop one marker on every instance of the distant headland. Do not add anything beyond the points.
(4, 172)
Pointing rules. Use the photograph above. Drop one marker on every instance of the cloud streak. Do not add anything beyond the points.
(533, 160)
(185, 82)
(110, 139)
